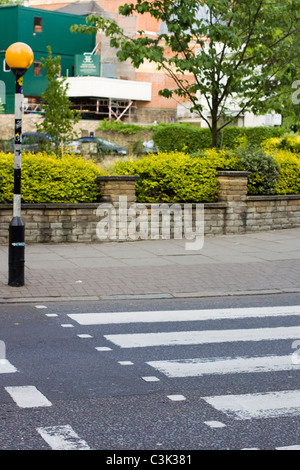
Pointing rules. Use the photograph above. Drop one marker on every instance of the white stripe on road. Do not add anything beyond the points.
(181, 315)
(237, 365)
(256, 405)
(6, 367)
(28, 396)
(202, 337)
(295, 447)
(62, 438)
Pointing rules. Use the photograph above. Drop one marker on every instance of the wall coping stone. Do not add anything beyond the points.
(93, 205)
(53, 205)
(233, 173)
(274, 197)
(117, 178)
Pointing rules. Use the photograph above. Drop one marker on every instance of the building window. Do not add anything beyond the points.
(38, 24)
(37, 69)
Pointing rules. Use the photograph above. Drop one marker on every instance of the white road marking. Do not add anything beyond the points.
(198, 367)
(67, 325)
(125, 363)
(151, 379)
(62, 438)
(181, 315)
(6, 367)
(83, 335)
(202, 337)
(28, 397)
(215, 424)
(176, 397)
(296, 447)
(257, 405)
(103, 348)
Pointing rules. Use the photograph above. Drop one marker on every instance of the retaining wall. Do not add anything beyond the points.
(234, 213)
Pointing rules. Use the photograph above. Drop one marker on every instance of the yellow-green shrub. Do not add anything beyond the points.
(289, 142)
(289, 181)
(177, 177)
(48, 178)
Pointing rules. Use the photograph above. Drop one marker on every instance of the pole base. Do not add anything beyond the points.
(16, 253)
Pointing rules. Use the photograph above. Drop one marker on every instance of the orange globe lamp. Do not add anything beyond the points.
(19, 57)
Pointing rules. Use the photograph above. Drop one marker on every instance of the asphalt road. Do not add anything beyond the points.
(77, 395)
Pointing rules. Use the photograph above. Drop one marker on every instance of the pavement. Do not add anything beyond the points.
(252, 263)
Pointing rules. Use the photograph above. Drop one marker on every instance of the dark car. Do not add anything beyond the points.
(103, 146)
(34, 142)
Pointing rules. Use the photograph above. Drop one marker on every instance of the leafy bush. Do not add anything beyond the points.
(289, 181)
(289, 142)
(176, 177)
(265, 170)
(181, 137)
(189, 138)
(48, 178)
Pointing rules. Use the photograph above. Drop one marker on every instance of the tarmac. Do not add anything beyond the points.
(227, 265)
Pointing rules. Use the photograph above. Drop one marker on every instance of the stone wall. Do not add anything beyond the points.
(29, 121)
(273, 212)
(234, 213)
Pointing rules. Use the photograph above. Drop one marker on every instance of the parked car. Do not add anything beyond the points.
(103, 146)
(33, 142)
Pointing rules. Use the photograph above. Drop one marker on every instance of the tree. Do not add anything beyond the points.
(217, 51)
(59, 118)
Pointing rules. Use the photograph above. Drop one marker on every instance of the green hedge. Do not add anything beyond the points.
(289, 142)
(176, 177)
(48, 178)
(165, 177)
(289, 181)
(122, 127)
(188, 138)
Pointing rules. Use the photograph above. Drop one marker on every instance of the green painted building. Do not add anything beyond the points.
(39, 29)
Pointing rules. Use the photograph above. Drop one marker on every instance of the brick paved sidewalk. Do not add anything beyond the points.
(263, 262)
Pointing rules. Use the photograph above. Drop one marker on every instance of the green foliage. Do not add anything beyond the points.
(265, 170)
(176, 177)
(59, 119)
(288, 142)
(184, 136)
(47, 178)
(123, 128)
(289, 181)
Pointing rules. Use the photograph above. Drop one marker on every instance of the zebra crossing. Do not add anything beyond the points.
(176, 330)
(237, 406)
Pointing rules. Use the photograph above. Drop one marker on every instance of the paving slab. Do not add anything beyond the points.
(262, 262)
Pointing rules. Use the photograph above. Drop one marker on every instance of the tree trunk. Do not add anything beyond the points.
(214, 134)
(214, 122)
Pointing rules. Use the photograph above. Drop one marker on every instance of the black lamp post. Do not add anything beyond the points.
(19, 57)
